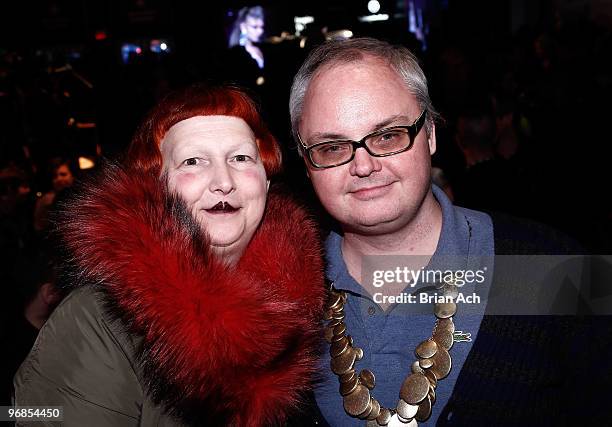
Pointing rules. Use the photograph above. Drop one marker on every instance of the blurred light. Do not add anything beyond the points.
(303, 20)
(339, 35)
(127, 50)
(100, 35)
(303, 43)
(300, 23)
(374, 18)
(85, 125)
(86, 163)
(260, 81)
(373, 6)
(159, 46)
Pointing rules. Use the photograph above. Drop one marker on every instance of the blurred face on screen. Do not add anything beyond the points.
(253, 28)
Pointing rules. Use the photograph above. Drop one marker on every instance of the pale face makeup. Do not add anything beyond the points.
(213, 163)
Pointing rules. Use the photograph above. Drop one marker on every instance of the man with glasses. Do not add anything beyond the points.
(365, 125)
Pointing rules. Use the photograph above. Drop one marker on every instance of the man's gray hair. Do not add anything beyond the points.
(340, 52)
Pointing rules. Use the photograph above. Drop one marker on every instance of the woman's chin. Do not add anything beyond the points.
(227, 253)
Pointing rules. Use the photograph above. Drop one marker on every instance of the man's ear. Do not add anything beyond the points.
(431, 140)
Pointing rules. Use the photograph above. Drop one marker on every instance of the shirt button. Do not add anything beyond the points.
(371, 310)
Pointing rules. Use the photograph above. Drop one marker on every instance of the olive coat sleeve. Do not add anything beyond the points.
(81, 362)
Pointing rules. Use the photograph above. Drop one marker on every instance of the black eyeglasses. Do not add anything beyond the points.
(382, 143)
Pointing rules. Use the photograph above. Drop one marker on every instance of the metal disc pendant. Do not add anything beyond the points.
(336, 338)
(358, 351)
(425, 363)
(451, 291)
(442, 364)
(445, 310)
(424, 411)
(375, 410)
(349, 387)
(365, 414)
(338, 315)
(432, 378)
(343, 363)
(384, 417)
(357, 402)
(367, 378)
(406, 410)
(446, 324)
(414, 389)
(334, 322)
(338, 347)
(444, 338)
(426, 349)
(432, 396)
(416, 368)
(335, 300)
(395, 422)
(340, 329)
(347, 376)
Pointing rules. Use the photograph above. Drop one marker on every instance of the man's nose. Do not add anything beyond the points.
(222, 180)
(363, 164)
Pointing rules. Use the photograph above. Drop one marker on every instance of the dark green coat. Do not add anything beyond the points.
(156, 325)
(84, 361)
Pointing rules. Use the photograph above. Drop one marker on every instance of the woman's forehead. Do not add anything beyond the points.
(217, 129)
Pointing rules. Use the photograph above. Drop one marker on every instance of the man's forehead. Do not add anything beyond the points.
(353, 64)
(352, 78)
(365, 94)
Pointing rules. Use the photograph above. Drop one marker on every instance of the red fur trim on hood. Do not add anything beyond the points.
(234, 341)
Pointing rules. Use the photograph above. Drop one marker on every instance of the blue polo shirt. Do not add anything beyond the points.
(389, 339)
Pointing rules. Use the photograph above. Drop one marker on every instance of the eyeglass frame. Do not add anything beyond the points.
(413, 131)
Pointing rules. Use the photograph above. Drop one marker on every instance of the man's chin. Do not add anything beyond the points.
(372, 226)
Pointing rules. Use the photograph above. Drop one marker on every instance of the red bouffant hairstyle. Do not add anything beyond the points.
(200, 100)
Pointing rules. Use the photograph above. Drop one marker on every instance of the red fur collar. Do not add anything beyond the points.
(239, 343)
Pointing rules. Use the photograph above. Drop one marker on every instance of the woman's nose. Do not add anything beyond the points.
(222, 181)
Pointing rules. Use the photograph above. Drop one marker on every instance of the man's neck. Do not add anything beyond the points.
(419, 237)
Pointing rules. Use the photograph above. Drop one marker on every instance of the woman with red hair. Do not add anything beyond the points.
(195, 291)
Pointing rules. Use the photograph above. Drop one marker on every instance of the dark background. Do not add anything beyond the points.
(536, 75)
(547, 62)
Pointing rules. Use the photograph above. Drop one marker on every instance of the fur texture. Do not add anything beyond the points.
(232, 346)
